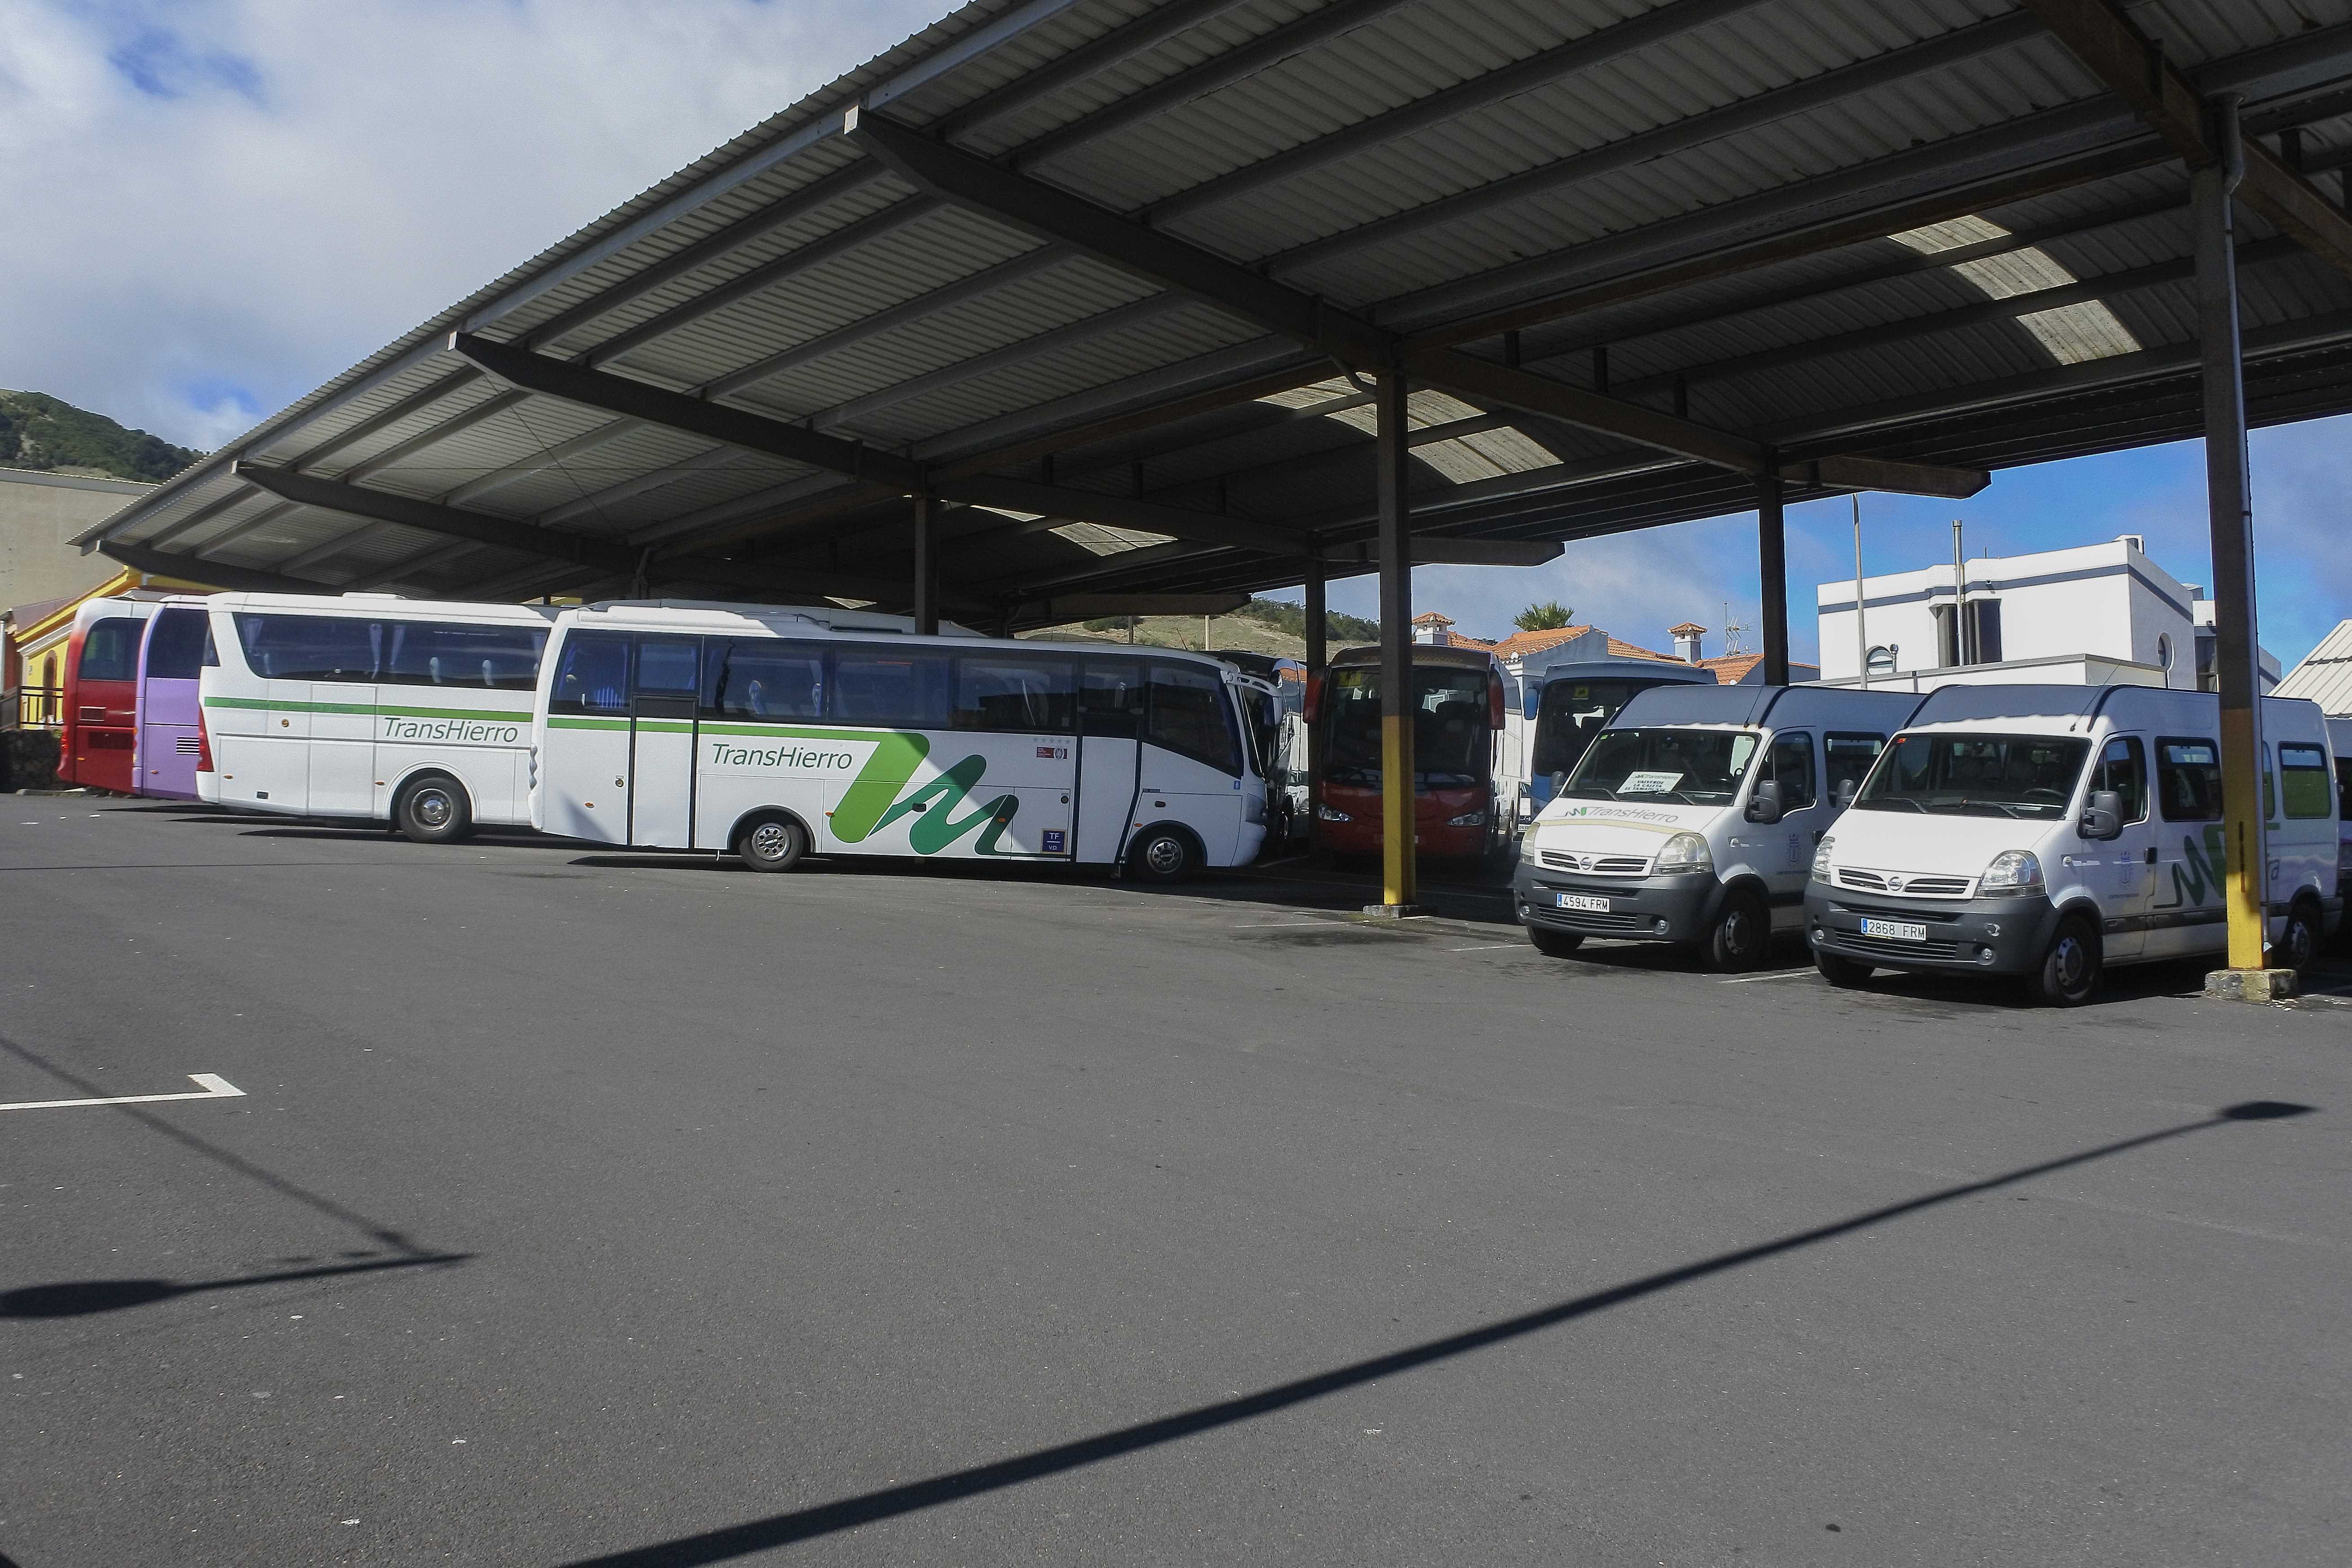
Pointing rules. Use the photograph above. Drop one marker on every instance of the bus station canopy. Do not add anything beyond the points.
(1108, 281)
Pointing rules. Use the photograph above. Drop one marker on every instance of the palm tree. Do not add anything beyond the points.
(1547, 617)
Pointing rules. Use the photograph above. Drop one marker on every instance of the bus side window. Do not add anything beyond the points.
(2302, 773)
(1792, 768)
(110, 649)
(893, 686)
(758, 678)
(595, 677)
(1847, 755)
(2189, 779)
(1018, 693)
(2123, 768)
(1191, 717)
(1111, 699)
(175, 644)
(669, 666)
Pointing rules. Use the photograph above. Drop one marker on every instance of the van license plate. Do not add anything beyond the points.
(1585, 901)
(1895, 930)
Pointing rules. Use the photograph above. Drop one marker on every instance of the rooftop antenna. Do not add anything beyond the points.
(1734, 633)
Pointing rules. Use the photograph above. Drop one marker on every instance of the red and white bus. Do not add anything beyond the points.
(1458, 710)
(98, 745)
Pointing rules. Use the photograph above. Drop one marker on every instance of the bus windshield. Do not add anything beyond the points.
(1451, 741)
(1977, 776)
(1697, 767)
(1570, 713)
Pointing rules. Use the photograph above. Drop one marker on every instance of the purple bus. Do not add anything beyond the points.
(171, 657)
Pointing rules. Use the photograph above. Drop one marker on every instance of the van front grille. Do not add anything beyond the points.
(1598, 865)
(1900, 882)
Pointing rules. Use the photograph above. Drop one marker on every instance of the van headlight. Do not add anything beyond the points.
(1684, 854)
(2012, 872)
(1822, 859)
(1527, 845)
(1467, 819)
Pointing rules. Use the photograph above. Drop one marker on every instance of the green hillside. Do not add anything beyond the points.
(45, 432)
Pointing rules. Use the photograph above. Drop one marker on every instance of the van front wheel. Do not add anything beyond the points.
(2069, 975)
(1844, 973)
(2298, 944)
(1555, 943)
(434, 810)
(1742, 934)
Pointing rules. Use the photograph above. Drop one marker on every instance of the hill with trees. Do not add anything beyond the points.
(50, 435)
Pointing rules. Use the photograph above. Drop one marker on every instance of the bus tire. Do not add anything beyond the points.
(771, 843)
(1165, 856)
(433, 809)
(2069, 975)
(1741, 937)
(1555, 943)
(2298, 944)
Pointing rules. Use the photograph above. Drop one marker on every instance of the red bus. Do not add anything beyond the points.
(101, 733)
(1457, 720)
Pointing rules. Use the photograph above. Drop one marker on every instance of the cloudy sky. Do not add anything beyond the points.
(216, 205)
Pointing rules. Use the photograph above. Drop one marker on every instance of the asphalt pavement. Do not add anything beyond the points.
(540, 1206)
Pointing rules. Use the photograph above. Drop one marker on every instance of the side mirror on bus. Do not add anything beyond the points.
(2103, 817)
(1765, 805)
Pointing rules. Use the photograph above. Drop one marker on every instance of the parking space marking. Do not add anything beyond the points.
(215, 1088)
(1776, 975)
(1486, 947)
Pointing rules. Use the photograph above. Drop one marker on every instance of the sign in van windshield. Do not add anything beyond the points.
(1649, 783)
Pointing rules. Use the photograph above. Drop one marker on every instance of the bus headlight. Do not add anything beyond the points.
(1684, 855)
(2012, 872)
(1467, 819)
(1822, 859)
(1254, 807)
(1326, 813)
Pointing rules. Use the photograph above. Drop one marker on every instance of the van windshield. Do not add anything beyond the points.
(1697, 767)
(2028, 776)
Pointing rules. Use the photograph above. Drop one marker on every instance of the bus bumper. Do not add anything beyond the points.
(1640, 909)
(1984, 936)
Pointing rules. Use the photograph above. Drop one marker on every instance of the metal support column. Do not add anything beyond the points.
(927, 570)
(1772, 572)
(2229, 505)
(1318, 655)
(1399, 881)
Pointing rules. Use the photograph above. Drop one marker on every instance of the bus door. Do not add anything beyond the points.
(583, 768)
(1188, 767)
(661, 743)
(1110, 726)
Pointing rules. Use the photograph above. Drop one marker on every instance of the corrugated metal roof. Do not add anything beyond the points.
(1423, 160)
(2325, 675)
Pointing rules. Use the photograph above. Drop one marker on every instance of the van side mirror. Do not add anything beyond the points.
(2103, 817)
(1846, 789)
(1559, 785)
(1765, 805)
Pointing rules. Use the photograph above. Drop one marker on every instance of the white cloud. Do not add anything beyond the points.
(216, 205)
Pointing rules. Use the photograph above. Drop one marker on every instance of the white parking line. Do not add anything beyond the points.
(1777, 975)
(215, 1088)
(1487, 947)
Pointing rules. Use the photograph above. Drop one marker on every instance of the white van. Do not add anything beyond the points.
(776, 732)
(1691, 816)
(2050, 831)
(411, 712)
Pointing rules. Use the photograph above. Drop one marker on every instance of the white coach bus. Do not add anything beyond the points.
(411, 712)
(774, 732)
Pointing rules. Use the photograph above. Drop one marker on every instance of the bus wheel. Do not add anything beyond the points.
(1742, 934)
(434, 810)
(772, 844)
(1165, 856)
(2069, 975)
(1555, 943)
(2298, 944)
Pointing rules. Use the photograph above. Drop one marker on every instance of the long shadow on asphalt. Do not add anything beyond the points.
(890, 1502)
(80, 1297)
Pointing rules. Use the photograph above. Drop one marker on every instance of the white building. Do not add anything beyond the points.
(2099, 613)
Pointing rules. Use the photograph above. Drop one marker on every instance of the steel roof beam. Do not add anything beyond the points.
(1090, 60)
(554, 457)
(2116, 52)
(428, 517)
(164, 563)
(755, 433)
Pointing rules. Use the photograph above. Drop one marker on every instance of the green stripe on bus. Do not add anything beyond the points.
(487, 715)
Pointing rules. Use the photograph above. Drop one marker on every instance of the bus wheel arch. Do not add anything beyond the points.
(770, 839)
(431, 806)
(1165, 853)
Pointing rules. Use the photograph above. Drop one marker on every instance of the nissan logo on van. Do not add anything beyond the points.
(1894, 884)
